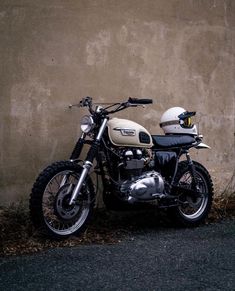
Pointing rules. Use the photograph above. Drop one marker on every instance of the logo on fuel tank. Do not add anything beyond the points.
(126, 131)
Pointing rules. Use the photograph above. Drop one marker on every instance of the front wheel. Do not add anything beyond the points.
(49, 200)
(192, 209)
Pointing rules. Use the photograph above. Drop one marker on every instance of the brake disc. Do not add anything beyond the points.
(62, 208)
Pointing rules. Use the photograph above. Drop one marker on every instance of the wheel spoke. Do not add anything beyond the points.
(195, 205)
(50, 196)
(58, 215)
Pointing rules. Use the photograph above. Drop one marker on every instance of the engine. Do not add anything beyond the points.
(145, 187)
(133, 161)
(138, 181)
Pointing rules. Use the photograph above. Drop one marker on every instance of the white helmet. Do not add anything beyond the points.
(177, 120)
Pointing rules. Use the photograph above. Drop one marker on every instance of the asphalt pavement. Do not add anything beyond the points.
(202, 258)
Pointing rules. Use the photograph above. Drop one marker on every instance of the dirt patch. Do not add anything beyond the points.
(18, 236)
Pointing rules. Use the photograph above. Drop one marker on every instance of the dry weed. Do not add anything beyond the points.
(18, 236)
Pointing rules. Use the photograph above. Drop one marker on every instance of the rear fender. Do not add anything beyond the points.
(202, 146)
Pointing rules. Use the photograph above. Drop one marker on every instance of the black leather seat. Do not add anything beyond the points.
(172, 141)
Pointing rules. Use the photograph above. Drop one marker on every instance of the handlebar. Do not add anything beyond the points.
(139, 101)
(87, 102)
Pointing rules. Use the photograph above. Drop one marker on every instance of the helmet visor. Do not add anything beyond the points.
(188, 122)
(186, 119)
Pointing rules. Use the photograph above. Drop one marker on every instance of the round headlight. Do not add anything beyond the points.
(87, 123)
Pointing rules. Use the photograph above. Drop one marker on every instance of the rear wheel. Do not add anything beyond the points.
(49, 200)
(192, 209)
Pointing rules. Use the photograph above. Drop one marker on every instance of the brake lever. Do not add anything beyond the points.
(74, 105)
(135, 105)
(85, 102)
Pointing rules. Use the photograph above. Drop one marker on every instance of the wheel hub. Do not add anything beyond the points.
(62, 208)
(193, 201)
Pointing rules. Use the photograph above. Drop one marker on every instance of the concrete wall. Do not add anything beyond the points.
(52, 53)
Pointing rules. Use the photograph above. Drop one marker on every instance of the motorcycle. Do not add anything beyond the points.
(135, 168)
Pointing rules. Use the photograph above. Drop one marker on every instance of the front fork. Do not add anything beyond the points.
(88, 163)
(78, 147)
(74, 156)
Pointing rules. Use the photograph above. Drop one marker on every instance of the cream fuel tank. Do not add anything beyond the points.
(123, 132)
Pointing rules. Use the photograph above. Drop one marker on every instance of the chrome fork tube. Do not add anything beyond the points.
(101, 131)
(86, 167)
(88, 162)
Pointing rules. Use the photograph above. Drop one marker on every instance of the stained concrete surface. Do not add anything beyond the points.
(178, 52)
(162, 259)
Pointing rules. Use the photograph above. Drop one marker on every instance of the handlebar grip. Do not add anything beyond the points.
(140, 101)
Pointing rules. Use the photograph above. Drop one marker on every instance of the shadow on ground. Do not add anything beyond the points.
(18, 236)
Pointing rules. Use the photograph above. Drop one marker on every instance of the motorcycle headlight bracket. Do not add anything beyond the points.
(87, 123)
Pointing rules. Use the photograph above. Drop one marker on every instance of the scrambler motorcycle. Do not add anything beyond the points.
(135, 167)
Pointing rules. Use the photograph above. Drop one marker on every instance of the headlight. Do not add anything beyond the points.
(87, 123)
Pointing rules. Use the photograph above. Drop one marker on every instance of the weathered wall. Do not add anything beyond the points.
(52, 53)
